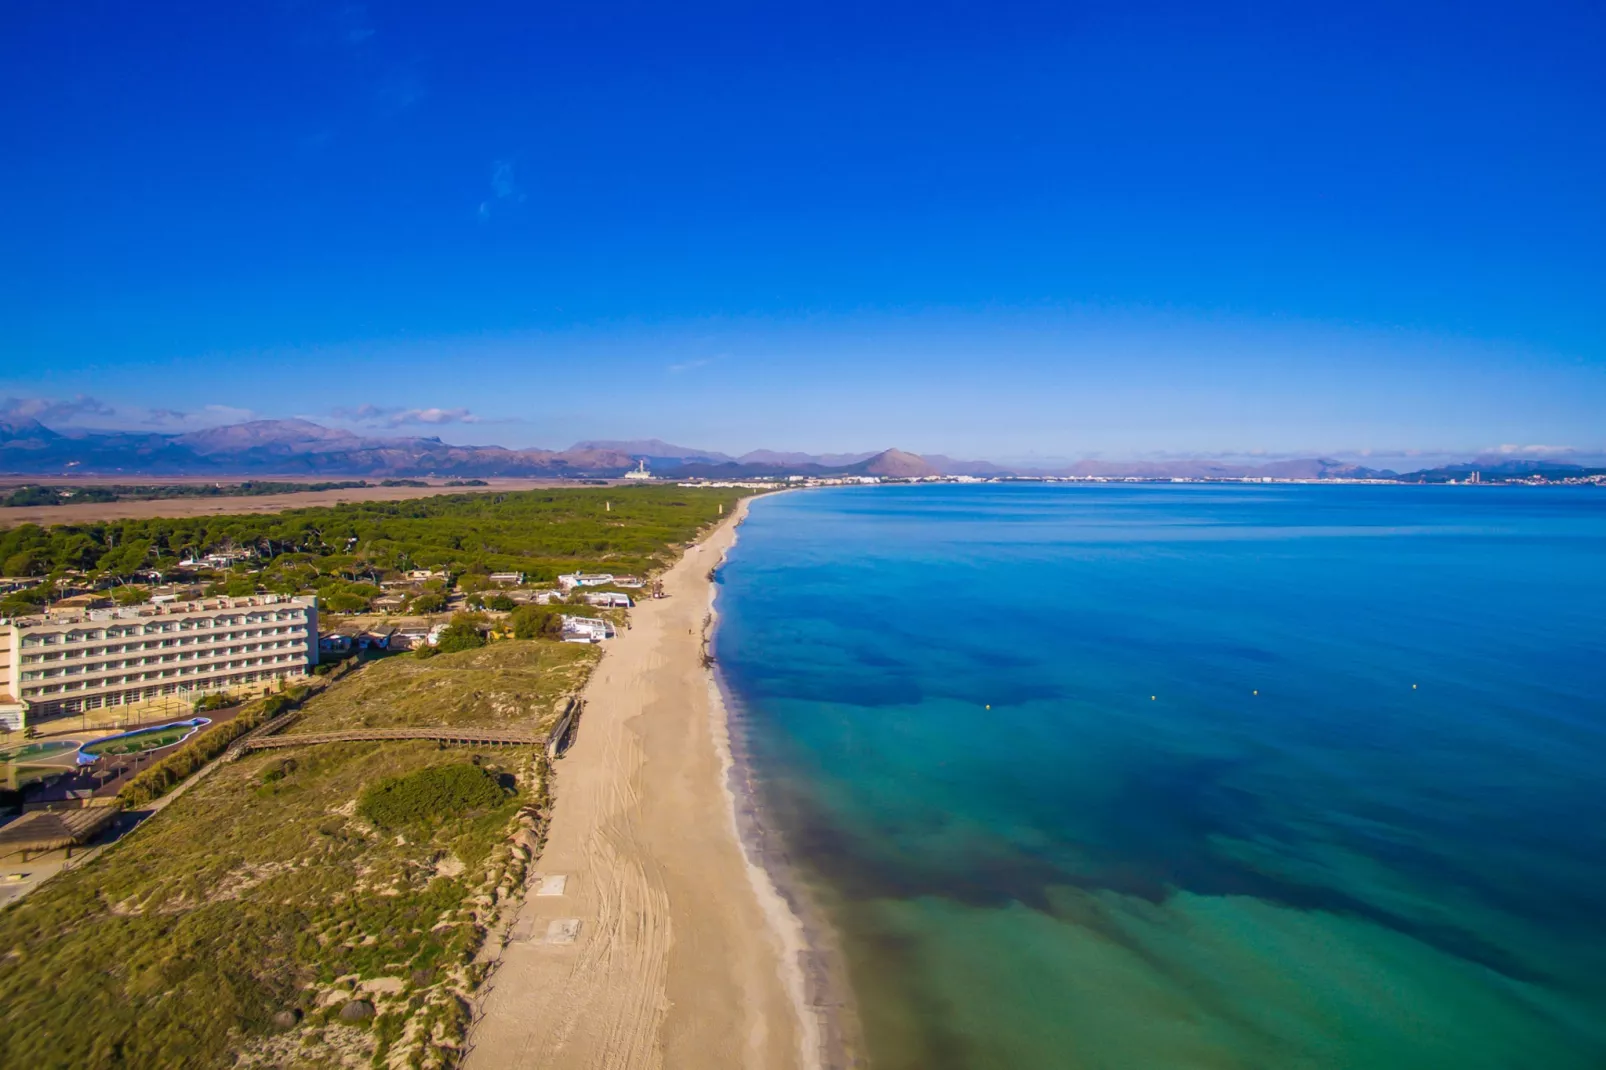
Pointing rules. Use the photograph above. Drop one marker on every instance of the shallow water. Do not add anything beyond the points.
(1285, 776)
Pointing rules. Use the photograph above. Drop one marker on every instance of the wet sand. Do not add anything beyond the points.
(685, 954)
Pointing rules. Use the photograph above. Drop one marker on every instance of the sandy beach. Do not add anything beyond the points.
(685, 956)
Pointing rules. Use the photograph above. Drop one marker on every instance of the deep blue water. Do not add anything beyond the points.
(1190, 776)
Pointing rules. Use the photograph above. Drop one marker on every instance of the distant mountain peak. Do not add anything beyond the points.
(654, 447)
(899, 464)
(24, 429)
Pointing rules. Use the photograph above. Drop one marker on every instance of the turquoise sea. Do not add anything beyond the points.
(1129, 776)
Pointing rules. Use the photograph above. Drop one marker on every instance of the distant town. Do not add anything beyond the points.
(1474, 477)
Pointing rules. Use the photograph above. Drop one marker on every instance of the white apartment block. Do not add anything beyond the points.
(110, 657)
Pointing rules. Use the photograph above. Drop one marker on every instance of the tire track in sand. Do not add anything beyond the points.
(675, 962)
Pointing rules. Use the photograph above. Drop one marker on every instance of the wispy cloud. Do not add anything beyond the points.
(505, 190)
(54, 410)
(1511, 450)
(206, 416)
(688, 365)
(386, 416)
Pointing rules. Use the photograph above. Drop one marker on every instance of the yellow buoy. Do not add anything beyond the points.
(1413, 687)
(989, 706)
(1257, 692)
(1151, 698)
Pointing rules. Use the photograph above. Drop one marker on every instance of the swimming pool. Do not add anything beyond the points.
(144, 739)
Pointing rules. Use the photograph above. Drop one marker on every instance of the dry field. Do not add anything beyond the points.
(90, 512)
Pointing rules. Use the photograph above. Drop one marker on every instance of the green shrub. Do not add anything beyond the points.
(278, 770)
(460, 635)
(346, 602)
(437, 792)
(429, 602)
(534, 622)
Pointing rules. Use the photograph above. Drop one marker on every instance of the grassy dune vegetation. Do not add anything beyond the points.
(265, 892)
(509, 684)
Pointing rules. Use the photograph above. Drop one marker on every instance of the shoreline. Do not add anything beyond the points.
(816, 976)
(822, 990)
(666, 944)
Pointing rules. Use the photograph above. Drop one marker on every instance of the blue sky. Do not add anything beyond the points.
(991, 230)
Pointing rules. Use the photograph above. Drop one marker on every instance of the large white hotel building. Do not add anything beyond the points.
(55, 665)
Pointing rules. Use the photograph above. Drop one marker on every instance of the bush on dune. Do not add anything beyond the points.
(437, 792)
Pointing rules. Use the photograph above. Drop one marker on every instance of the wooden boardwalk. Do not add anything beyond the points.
(462, 737)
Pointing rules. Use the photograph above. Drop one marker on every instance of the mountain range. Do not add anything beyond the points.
(304, 448)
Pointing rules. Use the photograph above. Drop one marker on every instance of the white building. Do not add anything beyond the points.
(640, 471)
(586, 630)
(609, 599)
(110, 657)
(581, 579)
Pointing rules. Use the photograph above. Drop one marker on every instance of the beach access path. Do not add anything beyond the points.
(682, 957)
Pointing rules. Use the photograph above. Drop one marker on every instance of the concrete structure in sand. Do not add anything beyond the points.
(65, 664)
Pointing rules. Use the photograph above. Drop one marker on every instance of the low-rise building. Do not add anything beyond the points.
(572, 580)
(409, 638)
(332, 646)
(609, 599)
(66, 663)
(586, 630)
(507, 579)
(67, 608)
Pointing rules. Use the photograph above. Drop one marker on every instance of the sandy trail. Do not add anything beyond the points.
(684, 958)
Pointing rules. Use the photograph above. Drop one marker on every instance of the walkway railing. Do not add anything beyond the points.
(467, 737)
(267, 737)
